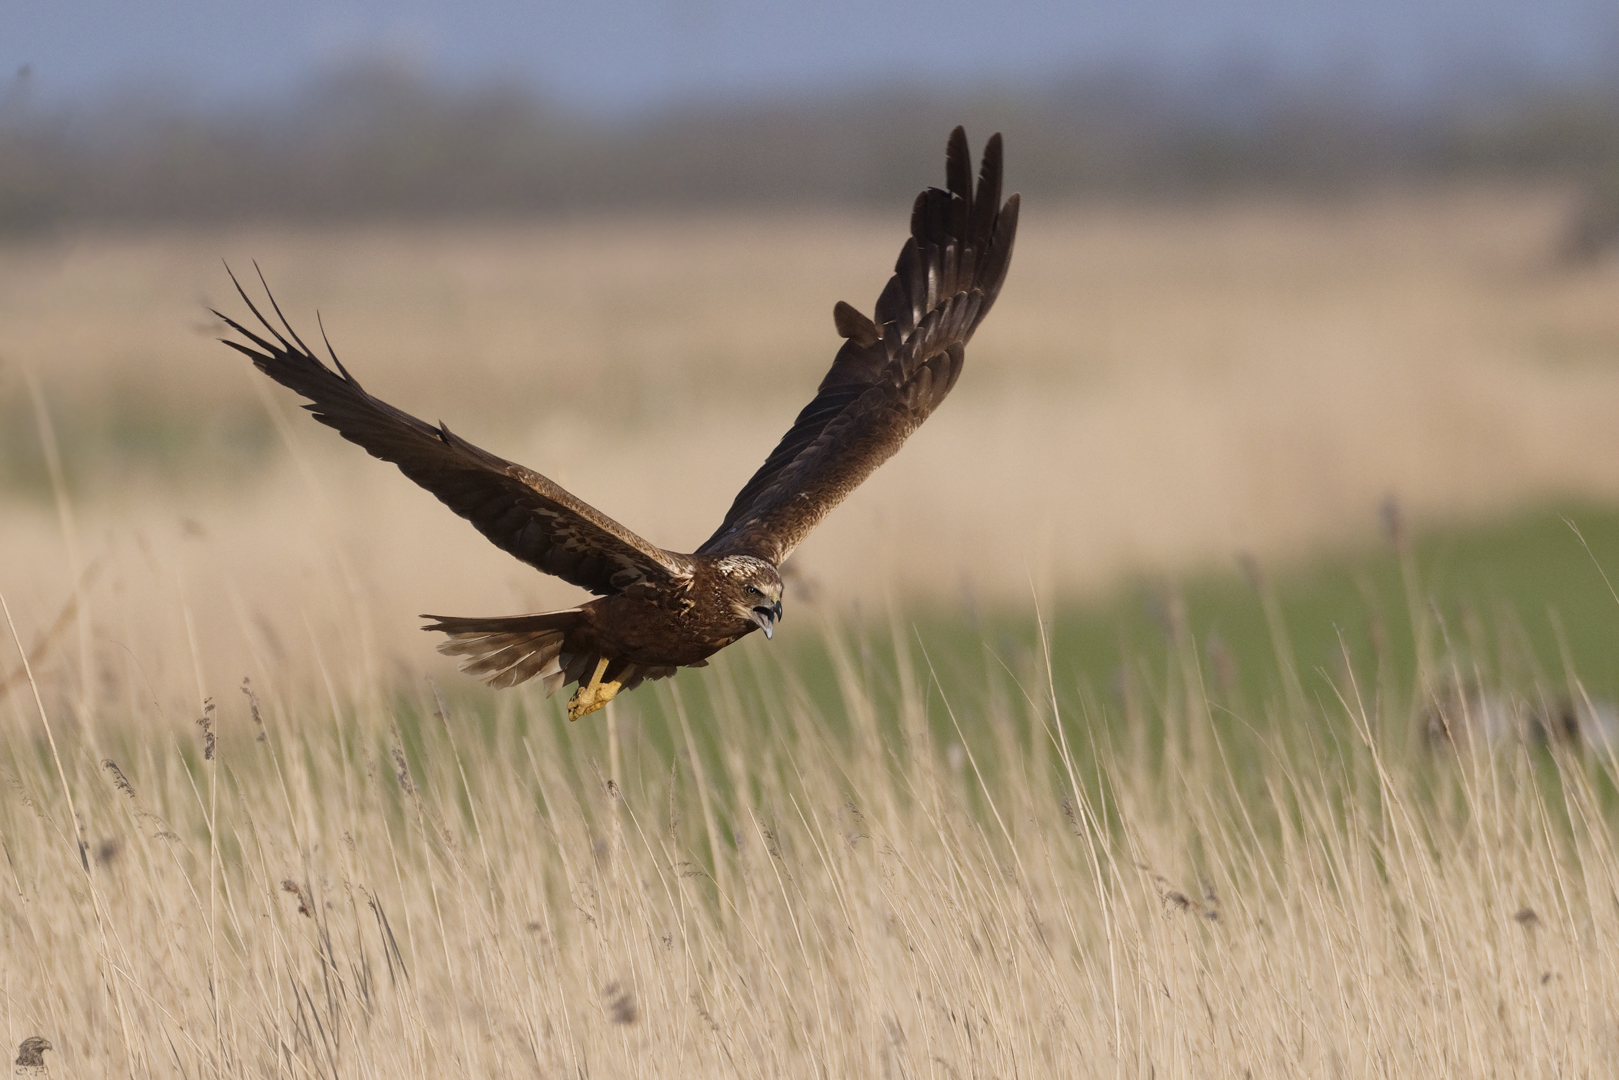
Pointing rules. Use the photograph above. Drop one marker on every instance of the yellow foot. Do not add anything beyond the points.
(594, 695)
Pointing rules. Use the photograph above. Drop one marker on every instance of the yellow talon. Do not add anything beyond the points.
(588, 698)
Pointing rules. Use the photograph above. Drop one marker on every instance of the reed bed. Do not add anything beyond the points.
(739, 882)
(253, 827)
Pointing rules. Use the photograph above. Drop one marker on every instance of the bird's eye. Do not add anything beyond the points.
(752, 591)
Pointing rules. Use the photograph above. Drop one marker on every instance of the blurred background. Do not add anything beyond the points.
(1284, 268)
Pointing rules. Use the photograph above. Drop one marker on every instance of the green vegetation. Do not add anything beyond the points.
(811, 866)
(1165, 834)
(1523, 603)
(124, 434)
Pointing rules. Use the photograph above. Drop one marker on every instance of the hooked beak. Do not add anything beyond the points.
(767, 618)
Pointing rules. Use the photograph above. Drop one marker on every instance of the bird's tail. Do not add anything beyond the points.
(508, 650)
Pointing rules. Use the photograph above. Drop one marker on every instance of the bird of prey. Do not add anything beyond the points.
(661, 610)
(31, 1056)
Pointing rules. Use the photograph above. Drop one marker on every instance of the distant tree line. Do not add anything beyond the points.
(379, 141)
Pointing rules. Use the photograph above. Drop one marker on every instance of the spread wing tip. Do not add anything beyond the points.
(286, 348)
(958, 164)
(892, 370)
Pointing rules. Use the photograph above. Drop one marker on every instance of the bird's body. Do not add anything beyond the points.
(661, 610)
(640, 633)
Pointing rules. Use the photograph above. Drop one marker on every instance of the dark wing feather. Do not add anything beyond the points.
(520, 511)
(893, 371)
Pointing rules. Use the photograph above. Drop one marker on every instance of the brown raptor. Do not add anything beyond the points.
(660, 610)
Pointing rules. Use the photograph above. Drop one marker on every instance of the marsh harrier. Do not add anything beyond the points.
(660, 610)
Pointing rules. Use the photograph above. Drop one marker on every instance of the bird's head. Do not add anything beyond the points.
(753, 588)
(31, 1053)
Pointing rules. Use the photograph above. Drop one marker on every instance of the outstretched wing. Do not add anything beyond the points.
(892, 372)
(520, 511)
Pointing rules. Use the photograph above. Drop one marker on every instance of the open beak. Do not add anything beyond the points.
(767, 618)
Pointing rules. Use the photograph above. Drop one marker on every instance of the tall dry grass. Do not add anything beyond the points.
(371, 882)
(363, 879)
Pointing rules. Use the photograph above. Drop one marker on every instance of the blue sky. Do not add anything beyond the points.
(628, 55)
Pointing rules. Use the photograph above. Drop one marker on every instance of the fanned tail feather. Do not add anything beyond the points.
(506, 651)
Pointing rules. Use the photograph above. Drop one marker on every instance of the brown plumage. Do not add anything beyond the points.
(31, 1056)
(660, 610)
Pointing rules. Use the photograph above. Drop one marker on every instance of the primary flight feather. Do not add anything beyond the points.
(661, 610)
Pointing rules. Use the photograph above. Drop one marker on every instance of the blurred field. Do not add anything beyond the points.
(1158, 389)
(1193, 828)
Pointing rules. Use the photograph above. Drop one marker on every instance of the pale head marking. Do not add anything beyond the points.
(760, 605)
(738, 565)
